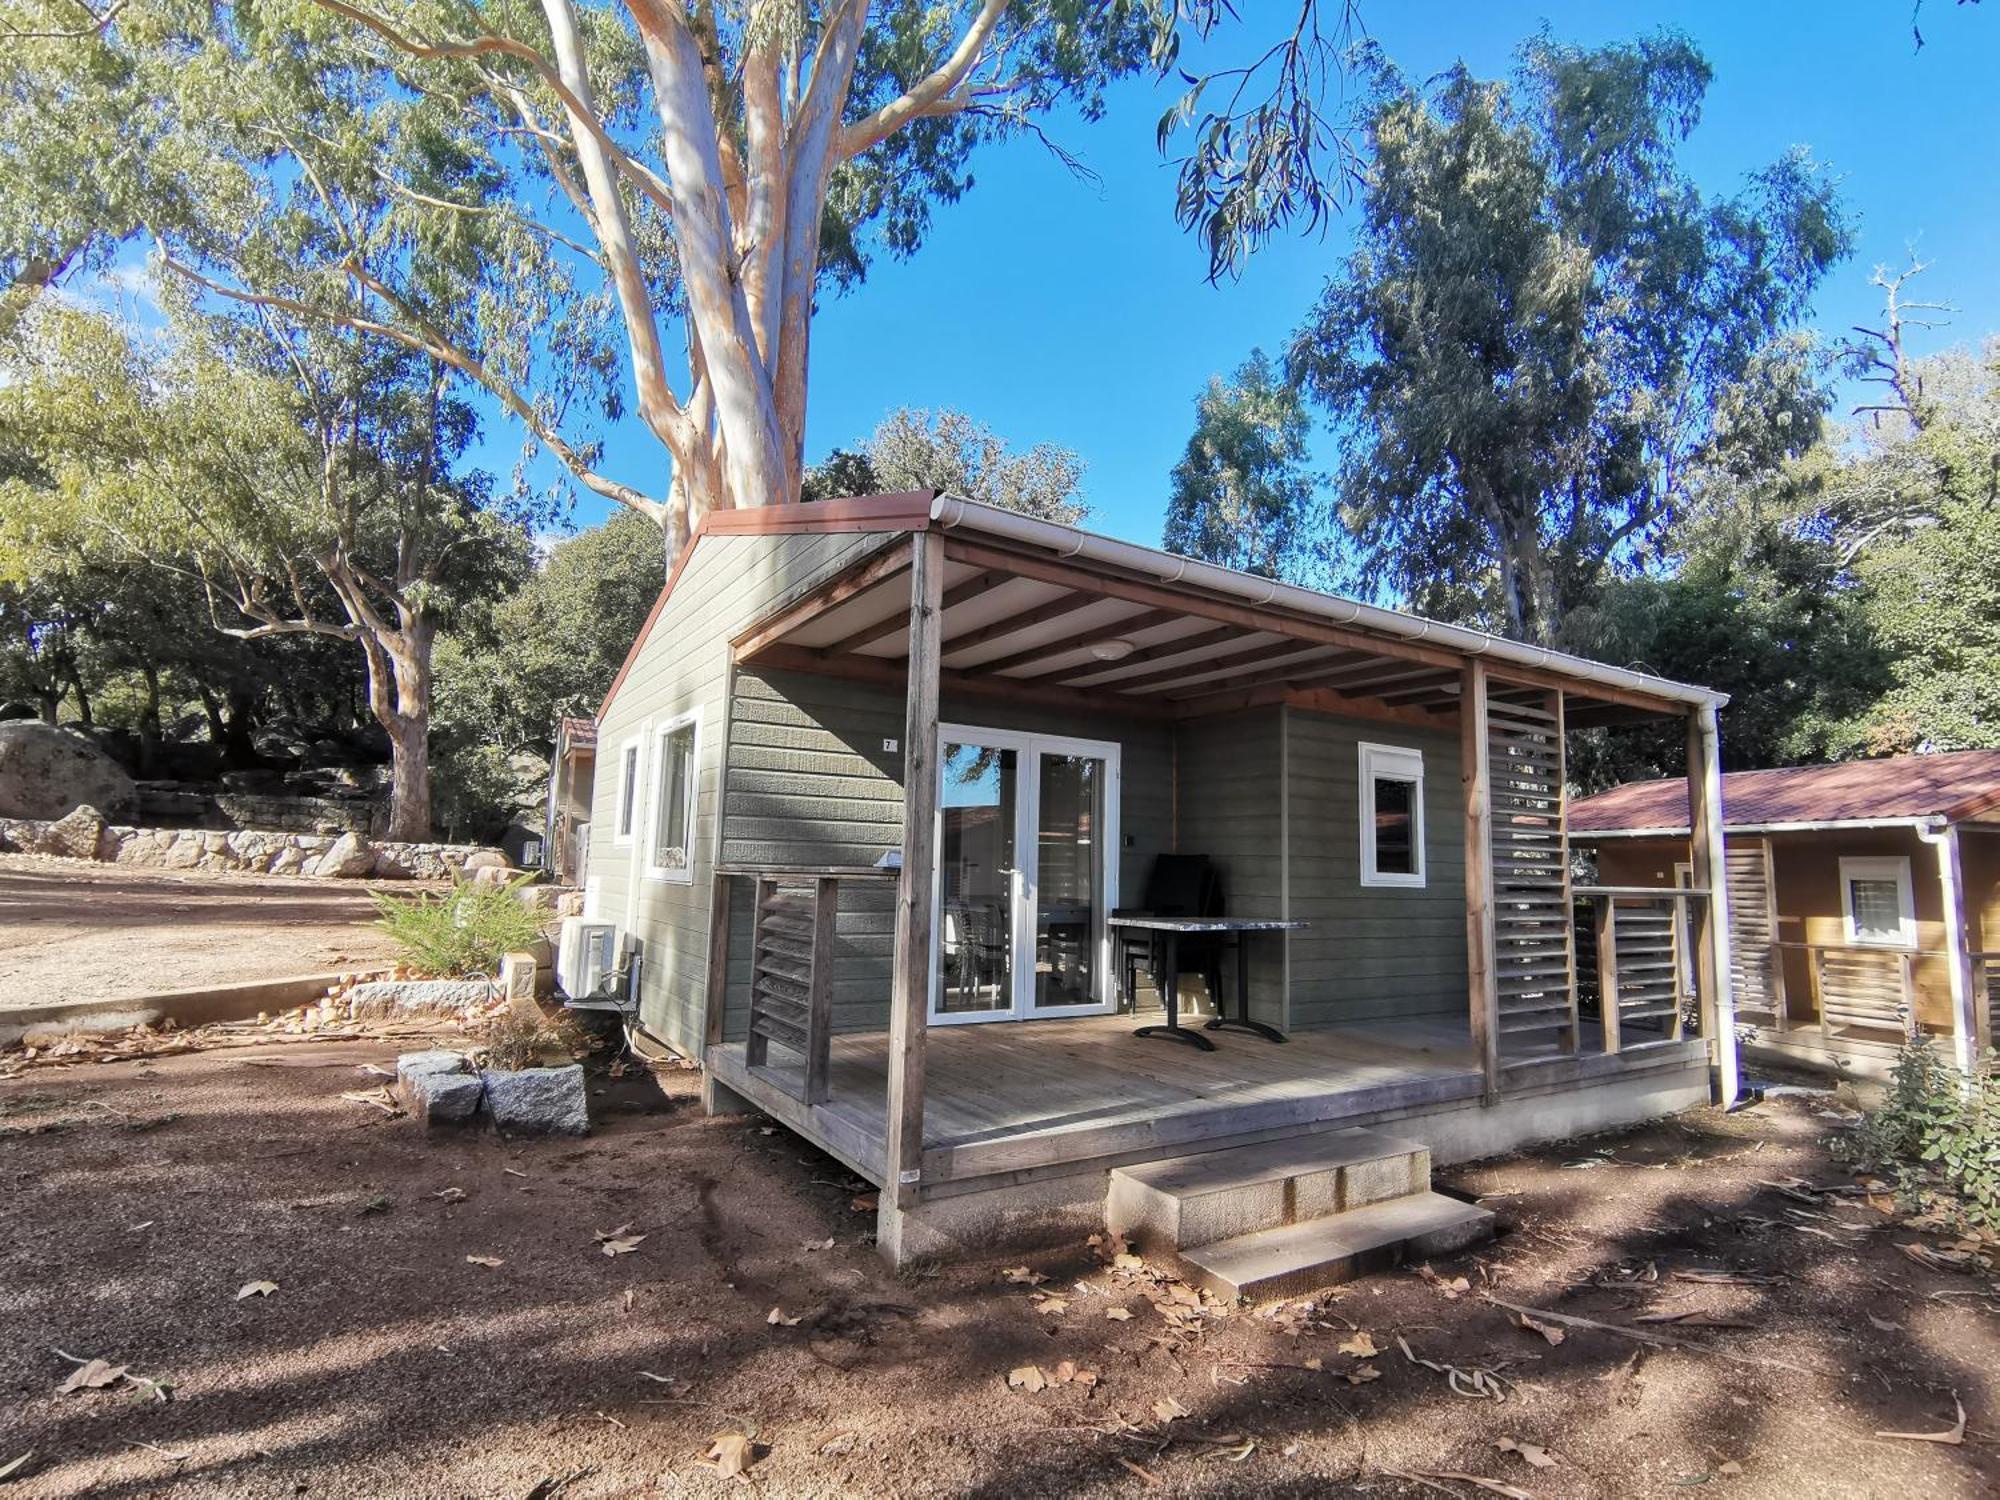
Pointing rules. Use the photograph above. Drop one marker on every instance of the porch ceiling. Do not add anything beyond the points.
(1025, 627)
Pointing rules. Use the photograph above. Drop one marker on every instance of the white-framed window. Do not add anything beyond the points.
(1392, 815)
(670, 833)
(1876, 902)
(627, 804)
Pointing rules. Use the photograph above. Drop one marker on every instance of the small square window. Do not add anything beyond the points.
(1392, 816)
(1876, 901)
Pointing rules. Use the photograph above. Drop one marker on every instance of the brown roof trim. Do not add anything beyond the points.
(904, 510)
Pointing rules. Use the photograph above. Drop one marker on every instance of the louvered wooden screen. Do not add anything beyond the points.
(1863, 989)
(1641, 975)
(791, 990)
(1756, 979)
(1533, 937)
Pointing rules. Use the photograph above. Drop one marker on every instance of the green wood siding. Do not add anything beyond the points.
(728, 584)
(1232, 808)
(1372, 952)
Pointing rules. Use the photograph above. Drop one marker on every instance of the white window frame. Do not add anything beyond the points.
(1396, 763)
(1894, 867)
(684, 874)
(625, 818)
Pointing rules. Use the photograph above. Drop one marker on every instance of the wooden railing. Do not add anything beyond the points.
(1858, 988)
(793, 915)
(1636, 967)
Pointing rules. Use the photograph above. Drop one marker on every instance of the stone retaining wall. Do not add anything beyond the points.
(246, 850)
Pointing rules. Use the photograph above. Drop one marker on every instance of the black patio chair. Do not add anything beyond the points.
(1179, 885)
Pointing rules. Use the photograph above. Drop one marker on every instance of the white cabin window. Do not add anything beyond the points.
(1392, 815)
(670, 845)
(1875, 899)
(628, 793)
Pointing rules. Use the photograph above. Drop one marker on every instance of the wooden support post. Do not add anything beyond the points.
(819, 989)
(1607, 971)
(1711, 916)
(910, 997)
(715, 1003)
(1966, 1041)
(1475, 771)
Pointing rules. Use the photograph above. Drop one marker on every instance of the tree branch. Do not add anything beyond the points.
(927, 96)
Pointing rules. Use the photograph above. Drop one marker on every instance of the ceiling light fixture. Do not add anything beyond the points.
(1111, 650)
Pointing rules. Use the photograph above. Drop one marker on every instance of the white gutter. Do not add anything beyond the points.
(1828, 825)
(1066, 541)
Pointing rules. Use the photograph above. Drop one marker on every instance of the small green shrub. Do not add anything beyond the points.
(463, 932)
(1937, 1136)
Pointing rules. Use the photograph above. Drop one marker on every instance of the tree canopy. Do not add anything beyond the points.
(1242, 495)
(949, 451)
(1548, 338)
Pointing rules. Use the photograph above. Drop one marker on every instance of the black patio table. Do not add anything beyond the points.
(1171, 930)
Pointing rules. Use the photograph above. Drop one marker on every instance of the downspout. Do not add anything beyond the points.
(1943, 837)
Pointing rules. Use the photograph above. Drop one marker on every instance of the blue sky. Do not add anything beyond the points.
(1078, 314)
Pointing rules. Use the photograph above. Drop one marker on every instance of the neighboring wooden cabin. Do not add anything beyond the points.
(1864, 898)
(572, 771)
(879, 768)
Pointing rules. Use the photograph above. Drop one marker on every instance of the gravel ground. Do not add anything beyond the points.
(138, 1199)
(76, 931)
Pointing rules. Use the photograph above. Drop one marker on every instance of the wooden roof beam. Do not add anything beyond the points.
(1270, 651)
(1129, 624)
(899, 620)
(837, 590)
(1185, 602)
(890, 674)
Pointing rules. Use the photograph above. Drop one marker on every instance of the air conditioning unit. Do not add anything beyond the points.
(585, 953)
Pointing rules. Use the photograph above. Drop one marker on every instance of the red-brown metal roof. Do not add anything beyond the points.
(1953, 785)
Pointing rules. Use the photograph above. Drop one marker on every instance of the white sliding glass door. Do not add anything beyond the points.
(1027, 874)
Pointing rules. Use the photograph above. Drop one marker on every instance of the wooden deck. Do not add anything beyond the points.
(1015, 1099)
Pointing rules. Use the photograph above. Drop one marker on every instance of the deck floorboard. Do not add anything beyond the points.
(1013, 1097)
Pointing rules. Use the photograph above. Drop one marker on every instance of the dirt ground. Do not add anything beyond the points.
(76, 931)
(137, 1200)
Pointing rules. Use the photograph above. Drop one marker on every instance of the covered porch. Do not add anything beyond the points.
(1245, 703)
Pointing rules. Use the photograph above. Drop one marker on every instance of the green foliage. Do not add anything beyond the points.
(1759, 608)
(461, 933)
(1242, 495)
(1547, 338)
(950, 452)
(1939, 1135)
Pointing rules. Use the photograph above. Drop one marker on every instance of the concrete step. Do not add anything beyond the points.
(1294, 1259)
(1218, 1195)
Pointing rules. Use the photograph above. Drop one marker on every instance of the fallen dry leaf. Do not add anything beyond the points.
(1362, 1374)
(731, 1454)
(1315, 1363)
(489, 1261)
(825, 1244)
(450, 1194)
(1548, 1331)
(1027, 1378)
(256, 1289)
(1361, 1346)
(623, 1245)
(1118, 1314)
(1167, 1409)
(1022, 1276)
(1954, 1434)
(864, 1203)
(1068, 1372)
(92, 1375)
(777, 1319)
(1536, 1456)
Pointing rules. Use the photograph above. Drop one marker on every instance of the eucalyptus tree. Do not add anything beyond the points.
(631, 203)
(308, 483)
(1548, 337)
(1242, 493)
